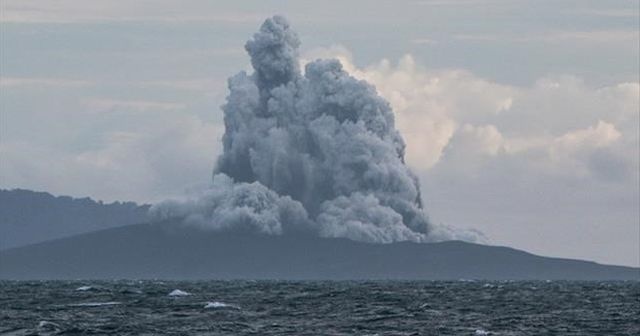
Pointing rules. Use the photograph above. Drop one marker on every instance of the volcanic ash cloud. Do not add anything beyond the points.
(314, 153)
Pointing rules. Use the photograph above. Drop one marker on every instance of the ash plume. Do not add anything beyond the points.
(312, 152)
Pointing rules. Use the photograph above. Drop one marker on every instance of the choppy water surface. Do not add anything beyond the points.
(319, 308)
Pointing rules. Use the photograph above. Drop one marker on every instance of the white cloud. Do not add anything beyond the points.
(12, 82)
(186, 84)
(558, 37)
(191, 84)
(559, 116)
(75, 11)
(102, 104)
(424, 41)
(601, 135)
(429, 105)
(155, 160)
(527, 165)
(594, 36)
(455, 2)
(609, 12)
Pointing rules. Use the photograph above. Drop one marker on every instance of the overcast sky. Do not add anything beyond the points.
(521, 117)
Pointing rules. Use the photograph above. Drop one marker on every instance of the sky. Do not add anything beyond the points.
(521, 118)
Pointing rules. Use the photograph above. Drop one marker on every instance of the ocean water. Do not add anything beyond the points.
(319, 308)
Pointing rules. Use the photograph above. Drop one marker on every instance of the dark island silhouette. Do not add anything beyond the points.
(170, 250)
(28, 217)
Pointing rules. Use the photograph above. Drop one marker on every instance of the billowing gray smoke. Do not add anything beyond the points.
(313, 153)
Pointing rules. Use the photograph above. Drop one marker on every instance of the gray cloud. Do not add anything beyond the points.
(317, 152)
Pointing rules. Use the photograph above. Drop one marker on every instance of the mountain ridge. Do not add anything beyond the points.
(28, 217)
(170, 250)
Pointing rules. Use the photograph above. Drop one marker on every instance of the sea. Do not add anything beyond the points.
(464, 307)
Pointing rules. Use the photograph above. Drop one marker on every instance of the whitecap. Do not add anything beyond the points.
(481, 332)
(95, 304)
(177, 292)
(48, 325)
(84, 288)
(216, 304)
